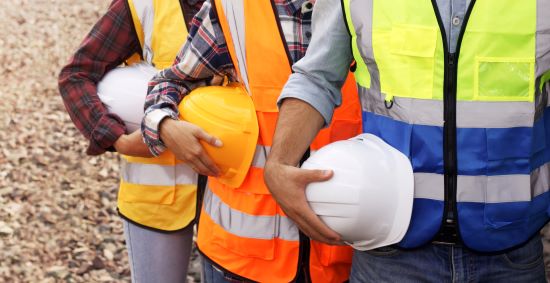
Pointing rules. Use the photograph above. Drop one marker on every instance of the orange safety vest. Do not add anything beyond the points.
(243, 230)
(333, 263)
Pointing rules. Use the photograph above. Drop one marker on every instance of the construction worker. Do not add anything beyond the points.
(243, 236)
(461, 88)
(157, 195)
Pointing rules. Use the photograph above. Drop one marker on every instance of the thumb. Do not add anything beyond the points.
(201, 134)
(311, 176)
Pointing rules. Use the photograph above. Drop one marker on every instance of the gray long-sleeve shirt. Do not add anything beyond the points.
(318, 76)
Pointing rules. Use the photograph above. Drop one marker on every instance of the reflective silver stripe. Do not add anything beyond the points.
(234, 13)
(543, 37)
(157, 175)
(185, 175)
(494, 189)
(260, 156)
(247, 225)
(504, 188)
(146, 13)
(482, 114)
(362, 22)
(426, 112)
(470, 114)
(429, 186)
(540, 180)
(486, 189)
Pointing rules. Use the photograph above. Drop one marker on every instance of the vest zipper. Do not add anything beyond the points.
(302, 271)
(448, 231)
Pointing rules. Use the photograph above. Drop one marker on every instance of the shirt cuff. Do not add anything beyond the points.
(109, 128)
(150, 129)
(300, 87)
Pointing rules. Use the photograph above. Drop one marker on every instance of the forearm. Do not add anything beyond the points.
(297, 126)
(202, 61)
(319, 76)
(161, 103)
(78, 79)
(306, 104)
(88, 114)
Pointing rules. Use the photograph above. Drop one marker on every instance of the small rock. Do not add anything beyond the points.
(57, 271)
(108, 254)
(98, 263)
(104, 173)
(85, 268)
(5, 230)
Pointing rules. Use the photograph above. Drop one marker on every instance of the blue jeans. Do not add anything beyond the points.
(449, 263)
(211, 274)
(156, 256)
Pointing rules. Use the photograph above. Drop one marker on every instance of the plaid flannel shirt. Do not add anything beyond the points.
(205, 60)
(111, 41)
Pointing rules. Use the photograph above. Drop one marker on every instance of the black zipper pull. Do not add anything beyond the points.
(451, 59)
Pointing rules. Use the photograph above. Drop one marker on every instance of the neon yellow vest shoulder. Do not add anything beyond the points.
(404, 66)
(157, 192)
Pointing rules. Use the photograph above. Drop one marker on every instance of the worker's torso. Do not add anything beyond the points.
(159, 192)
(243, 230)
(473, 121)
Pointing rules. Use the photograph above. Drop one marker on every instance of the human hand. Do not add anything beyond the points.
(287, 185)
(132, 145)
(183, 139)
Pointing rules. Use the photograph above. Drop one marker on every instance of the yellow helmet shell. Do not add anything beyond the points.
(228, 113)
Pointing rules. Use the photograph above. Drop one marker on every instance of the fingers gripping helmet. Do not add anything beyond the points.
(369, 199)
(228, 113)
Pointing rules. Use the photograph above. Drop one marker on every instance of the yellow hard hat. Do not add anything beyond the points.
(226, 112)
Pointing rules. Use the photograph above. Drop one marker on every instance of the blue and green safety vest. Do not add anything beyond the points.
(475, 123)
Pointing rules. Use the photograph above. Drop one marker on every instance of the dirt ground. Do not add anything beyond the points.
(58, 221)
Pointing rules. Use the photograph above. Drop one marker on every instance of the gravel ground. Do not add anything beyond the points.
(57, 206)
(58, 220)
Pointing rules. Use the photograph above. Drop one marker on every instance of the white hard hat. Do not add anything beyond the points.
(123, 91)
(369, 199)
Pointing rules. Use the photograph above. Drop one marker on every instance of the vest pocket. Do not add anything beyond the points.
(244, 222)
(410, 70)
(508, 187)
(507, 201)
(330, 255)
(504, 79)
(243, 246)
(147, 182)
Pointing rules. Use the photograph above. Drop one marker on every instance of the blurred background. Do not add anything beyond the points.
(58, 220)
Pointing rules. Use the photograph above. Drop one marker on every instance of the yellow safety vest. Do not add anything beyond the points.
(159, 192)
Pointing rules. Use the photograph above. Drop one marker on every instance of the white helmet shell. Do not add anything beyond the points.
(369, 199)
(123, 91)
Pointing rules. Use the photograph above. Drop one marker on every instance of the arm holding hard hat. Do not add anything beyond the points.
(202, 61)
(306, 105)
(132, 145)
(78, 82)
